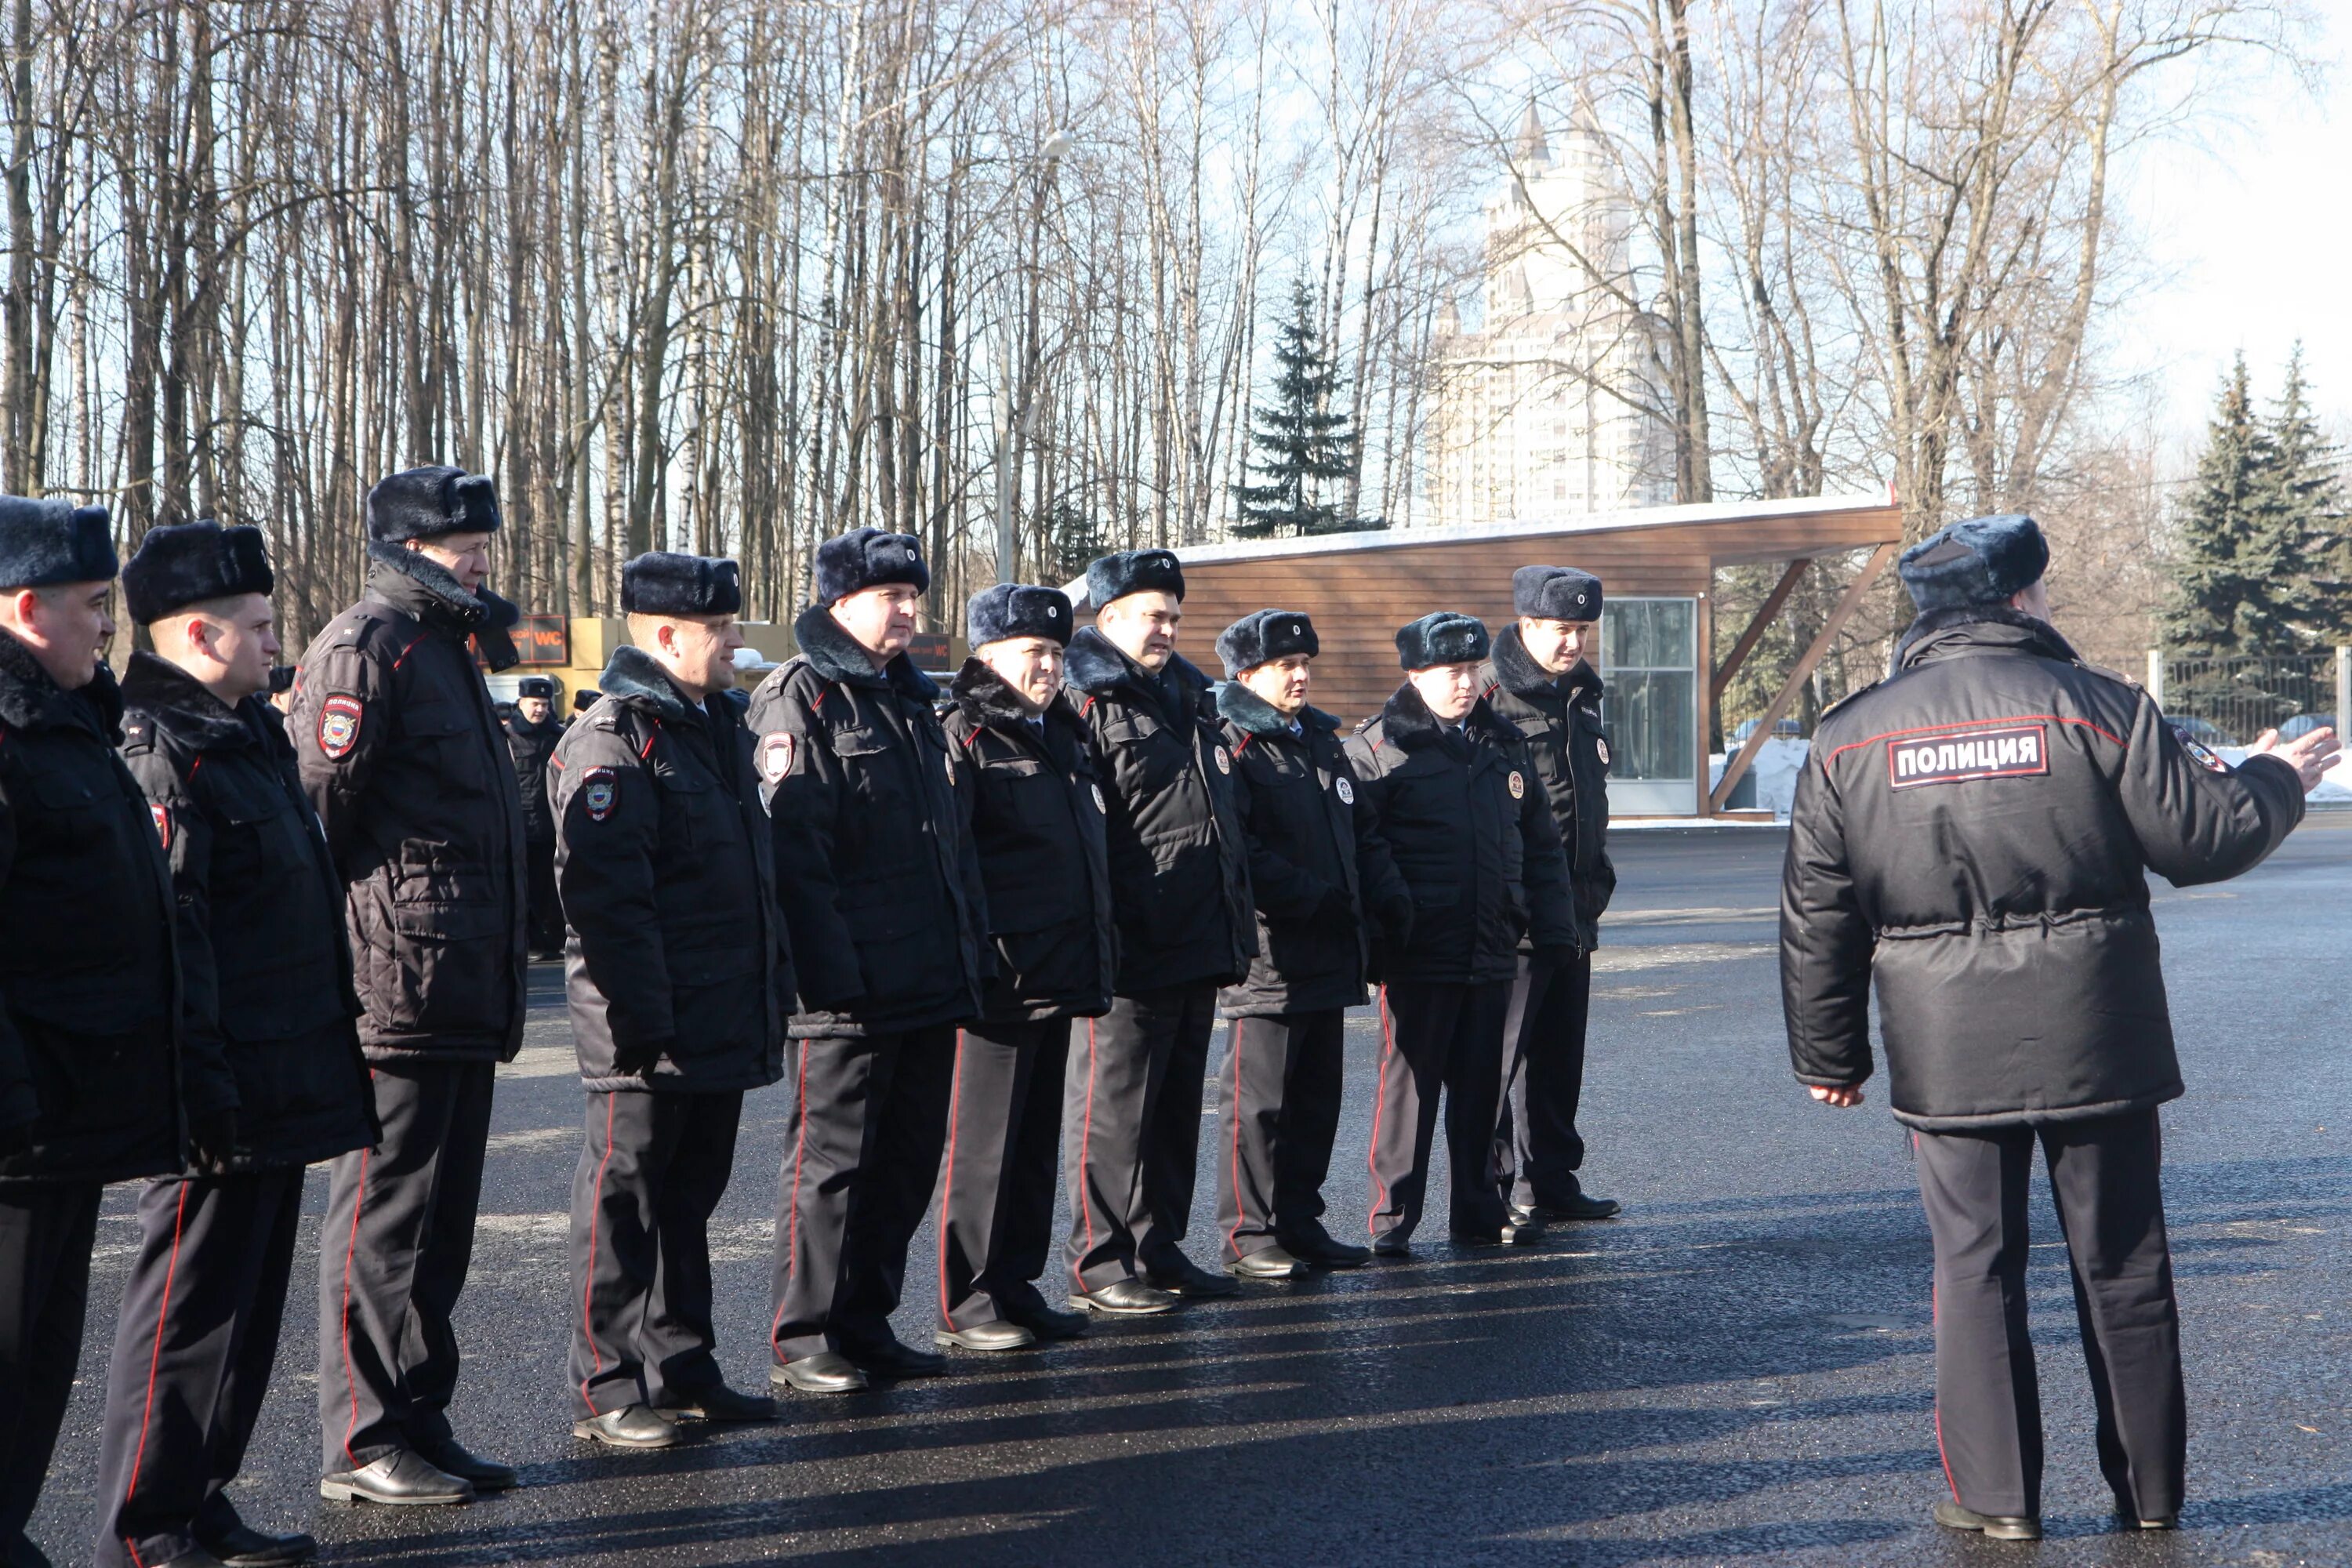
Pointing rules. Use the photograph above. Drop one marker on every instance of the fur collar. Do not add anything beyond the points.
(1254, 715)
(836, 656)
(986, 699)
(633, 676)
(1097, 666)
(1964, 626)
(180, 703)
(29, 700)
(1521, 676)
(1407, 720)
(415, 584)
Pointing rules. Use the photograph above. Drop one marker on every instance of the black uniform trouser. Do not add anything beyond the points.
(545, 906)
(651, 1173)
(2104, 1174)
(47, 1229)
(393, 1255)
(192, 1350)
(1132, 1132)
(1278, 1115)
(996, 1185)
(1536, 1147)
(1438, 1036)
(868, 1136)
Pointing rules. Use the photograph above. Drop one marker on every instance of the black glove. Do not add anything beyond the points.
(638, 1059)
(212, 1136)
(1554, 954)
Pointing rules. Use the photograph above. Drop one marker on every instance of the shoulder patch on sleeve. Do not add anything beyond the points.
(777, 751)
(339, 725)
(2200, 753)
(600, 790)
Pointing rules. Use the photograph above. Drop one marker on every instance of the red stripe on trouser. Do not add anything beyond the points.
(793, 1218)
(351, 1248)
(1380, 1098)
(946, 1178)
(1086, 1136)
(1241, 1206)
(588, 1272)
(154, 1360)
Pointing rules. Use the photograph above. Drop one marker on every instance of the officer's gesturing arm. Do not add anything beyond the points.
(20, 1108)
(338, 729)
(2197, 819)
(1825, 949)
(806, 794)
(608, 823)
(209, 1086)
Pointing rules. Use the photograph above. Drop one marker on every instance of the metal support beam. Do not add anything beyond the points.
(1738, 767)
(1755, 632)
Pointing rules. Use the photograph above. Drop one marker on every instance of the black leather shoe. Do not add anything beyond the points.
(1322, 1250)
(2130, 1520)
(1267, 1263)
(1125, 1298)
(1994, 1527)
(631, 1426)
(827, 1371)
(450, 1456)
(400, 1478)
(999, 1335)
(1583, 1205)
(1048, 1324)
(721, 1403)
(195, 1558)
(1186, 1278)
(246, 1547)
(1515, 1232)
(891, 1359)
(1391, 1246)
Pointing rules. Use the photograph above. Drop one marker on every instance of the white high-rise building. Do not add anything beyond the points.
(1556, 407)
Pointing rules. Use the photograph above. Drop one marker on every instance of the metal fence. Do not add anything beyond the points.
(2229, 701)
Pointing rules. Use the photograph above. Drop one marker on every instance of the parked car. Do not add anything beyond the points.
(1785, 730)
(2204, 731)
(2302, 724)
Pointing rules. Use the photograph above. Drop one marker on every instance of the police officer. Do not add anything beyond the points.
(1179, 893)
(532, 731)
(1036, 820)
(680, 983)
(265, 983)
(410, 774)
(95, 1082)
(1278, 1093)
(881, 891)
(1461, 862)
(1540, 677)
(1975, 833)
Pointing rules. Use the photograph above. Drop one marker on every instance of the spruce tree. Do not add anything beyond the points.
(2306, 481)
(1303, 446)
(2233, 571)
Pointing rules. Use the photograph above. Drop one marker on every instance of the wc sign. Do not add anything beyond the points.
(2011, 750)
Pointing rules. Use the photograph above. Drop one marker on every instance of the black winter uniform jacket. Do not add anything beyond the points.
(1037, 823)
(1976, 830)
(676, 945)
(1460, 859)
(1560, 716)
(93, 1074)
(1179, 876)
(264, 970)
(1296, 797)
(408, 769)
(875, 867)
(530, 745)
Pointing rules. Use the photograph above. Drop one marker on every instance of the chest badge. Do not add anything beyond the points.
(775, 755)
(1518, 785)
(600, 790)
(339, 726)
(1600, 748)
(1345, 789)
(162, 816)
(1224, 760)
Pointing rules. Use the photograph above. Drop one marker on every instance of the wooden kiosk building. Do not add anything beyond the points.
(1658, 566)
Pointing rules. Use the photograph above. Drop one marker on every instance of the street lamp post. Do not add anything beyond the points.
(1017, 412)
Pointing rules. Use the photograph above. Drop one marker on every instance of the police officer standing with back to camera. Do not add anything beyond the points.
(96, 1085)
(680, 983)
(1540, 676)
(409, 771)
(1462, 862)
(265, 982)
(532, 731)
(881, 889)
(1278, 1094)
(1037, 822)
(1180, 894)
(1975, 832)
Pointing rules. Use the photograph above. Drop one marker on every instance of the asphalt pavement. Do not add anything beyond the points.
(1738, 1370)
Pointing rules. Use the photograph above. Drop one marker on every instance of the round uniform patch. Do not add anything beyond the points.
(600, 790)
(1224, 760)
(1600, 744)
(1518, 785)
(339, 726)
(775, 755)
(1101, 805)
(1345, 789)
(2201, 754)
(162, 816)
